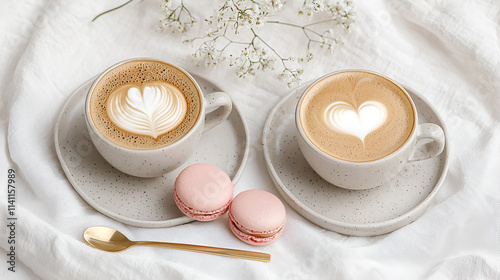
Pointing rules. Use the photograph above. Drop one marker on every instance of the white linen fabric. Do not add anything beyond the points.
(447, 50)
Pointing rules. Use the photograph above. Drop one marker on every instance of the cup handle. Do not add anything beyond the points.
(429, 143)
(218, 108)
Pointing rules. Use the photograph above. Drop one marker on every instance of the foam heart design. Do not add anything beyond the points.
(343, 117)
(152, 109)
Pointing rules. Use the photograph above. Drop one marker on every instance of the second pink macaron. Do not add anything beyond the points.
(203, 192)
(257, 217)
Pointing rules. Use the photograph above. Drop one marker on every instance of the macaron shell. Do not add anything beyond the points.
(203, 192)
(258, 211)
(204, 187)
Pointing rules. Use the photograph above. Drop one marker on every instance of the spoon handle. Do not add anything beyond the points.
(249, 255)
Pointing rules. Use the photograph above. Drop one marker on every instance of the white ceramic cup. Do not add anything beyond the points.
(215, 107)
(425, 141)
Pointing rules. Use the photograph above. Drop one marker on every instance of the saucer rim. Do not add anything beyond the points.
(355, 229)
(112, 214)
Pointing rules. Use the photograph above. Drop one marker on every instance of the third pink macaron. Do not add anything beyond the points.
(257, 217)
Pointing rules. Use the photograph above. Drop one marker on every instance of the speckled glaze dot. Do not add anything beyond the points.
(352, 212)
(144, 202)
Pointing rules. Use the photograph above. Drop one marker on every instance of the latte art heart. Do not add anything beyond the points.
(343, 117)
(152, 109)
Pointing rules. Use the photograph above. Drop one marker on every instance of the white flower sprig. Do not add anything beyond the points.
(177, 18)
(234, 35)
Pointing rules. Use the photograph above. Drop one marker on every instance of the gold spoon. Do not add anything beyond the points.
(111, 240)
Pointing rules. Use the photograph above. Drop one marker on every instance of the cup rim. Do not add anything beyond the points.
(355, 163)
(101, 137)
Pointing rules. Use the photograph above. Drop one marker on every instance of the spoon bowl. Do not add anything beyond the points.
(107, 239)
(111, 240)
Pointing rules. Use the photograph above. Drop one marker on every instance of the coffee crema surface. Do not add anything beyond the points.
(356, 116)
(144, 104)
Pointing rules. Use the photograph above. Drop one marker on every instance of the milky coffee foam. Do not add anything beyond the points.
(144, 104)
(356, 116)
(151, 109)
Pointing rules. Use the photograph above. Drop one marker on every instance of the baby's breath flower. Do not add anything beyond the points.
(209, 54)
(176, 18)
(291, 76)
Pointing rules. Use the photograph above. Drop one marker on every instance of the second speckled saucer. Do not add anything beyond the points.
(144, 202)
(352, 212)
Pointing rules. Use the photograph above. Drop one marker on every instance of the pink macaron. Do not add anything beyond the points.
(203, 192)
(257, 217)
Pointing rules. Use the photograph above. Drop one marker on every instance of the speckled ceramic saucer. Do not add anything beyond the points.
(137, 201)
(359, 213)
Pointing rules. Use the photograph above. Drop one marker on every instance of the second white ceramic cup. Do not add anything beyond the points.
(366, 175)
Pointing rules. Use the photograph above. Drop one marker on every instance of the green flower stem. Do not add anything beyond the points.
(305, 30)
(181, 8)
(293, 73)
(265, 43)
(112, 9)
